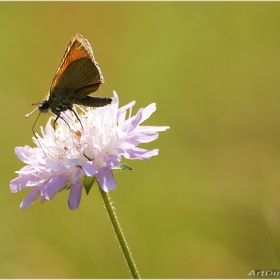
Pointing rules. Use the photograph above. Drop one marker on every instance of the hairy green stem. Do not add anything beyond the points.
(118, 230)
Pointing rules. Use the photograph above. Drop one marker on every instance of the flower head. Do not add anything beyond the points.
(63, 157)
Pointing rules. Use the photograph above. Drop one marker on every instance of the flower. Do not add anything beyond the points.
(92, 147)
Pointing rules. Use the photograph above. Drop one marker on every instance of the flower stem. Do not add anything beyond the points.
(116, 225)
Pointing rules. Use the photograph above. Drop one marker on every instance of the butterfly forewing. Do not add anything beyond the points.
(78, 71)
(77, 77)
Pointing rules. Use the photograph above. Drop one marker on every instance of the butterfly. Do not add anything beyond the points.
(78, 75)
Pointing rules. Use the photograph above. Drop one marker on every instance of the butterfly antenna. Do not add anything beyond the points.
(27, 115)
(34, 131)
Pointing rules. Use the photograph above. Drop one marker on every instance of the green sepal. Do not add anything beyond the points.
(125, 167)
(88, 183)
(121, 168)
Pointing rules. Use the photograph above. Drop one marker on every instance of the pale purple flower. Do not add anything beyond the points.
(63, 157)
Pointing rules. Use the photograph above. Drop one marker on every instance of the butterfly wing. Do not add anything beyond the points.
(78, 73)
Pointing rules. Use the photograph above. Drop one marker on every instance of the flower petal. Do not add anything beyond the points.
(121, 114)
(106, 179)
(148, 111)
(141, 137)
(89, 168)
(23, 153)
(31, 197)
(134, 121)
(115, 102)
(20, 183)
(138, 153)
(112, 160)
(75, 192)
(54, 185)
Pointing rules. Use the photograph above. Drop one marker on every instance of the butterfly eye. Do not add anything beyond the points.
(44, 106)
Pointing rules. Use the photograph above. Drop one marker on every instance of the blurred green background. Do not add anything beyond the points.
(209, 205)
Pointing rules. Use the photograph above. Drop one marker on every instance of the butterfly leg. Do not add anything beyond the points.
(77, 118)
(57, 117)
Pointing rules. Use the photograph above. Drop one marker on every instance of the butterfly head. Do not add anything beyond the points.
(44, 106)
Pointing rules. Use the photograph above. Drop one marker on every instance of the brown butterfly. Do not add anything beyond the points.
(77, 76)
